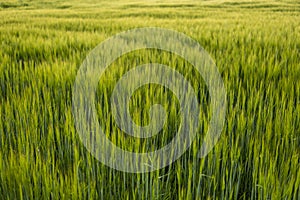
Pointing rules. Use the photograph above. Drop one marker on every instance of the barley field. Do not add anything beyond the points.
(256, 47)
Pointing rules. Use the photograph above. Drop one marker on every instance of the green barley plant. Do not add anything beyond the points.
(256, 46)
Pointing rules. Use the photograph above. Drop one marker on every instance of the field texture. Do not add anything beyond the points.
(256, 46)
